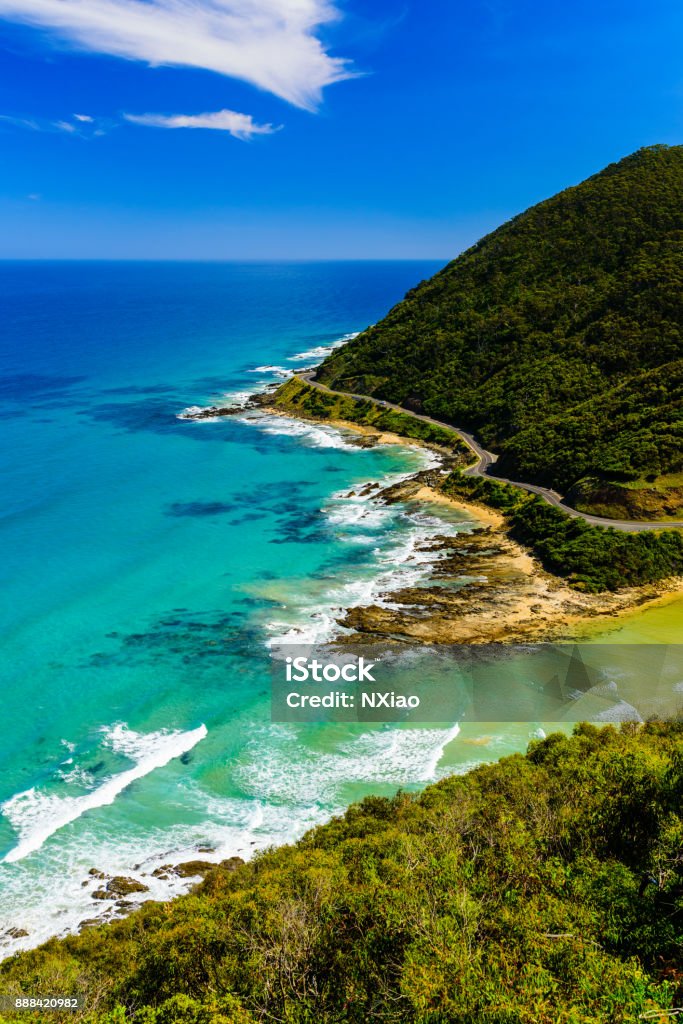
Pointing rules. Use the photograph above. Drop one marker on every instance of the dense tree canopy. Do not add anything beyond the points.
(592, 558)
(558, 337)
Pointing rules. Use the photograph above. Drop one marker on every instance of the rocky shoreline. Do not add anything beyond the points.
(117, 888)
(213, 412)
(122, 892)
(484, 588)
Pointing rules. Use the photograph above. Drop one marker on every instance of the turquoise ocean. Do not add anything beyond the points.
(148, 562)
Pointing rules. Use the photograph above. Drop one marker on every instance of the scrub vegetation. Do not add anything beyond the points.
(299, 397)
(543, 889)
(591, 558)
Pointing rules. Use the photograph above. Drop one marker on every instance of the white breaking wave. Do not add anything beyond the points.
(360, 513)
(192, 410)
(409, 566)
(282, 770)
(36, 816)
(355, 516)
(313, 435)
(56, 898)
(235, 399)
(230, 400)
(78, 776)
(278, 371)
(397, 561)
(320, 351)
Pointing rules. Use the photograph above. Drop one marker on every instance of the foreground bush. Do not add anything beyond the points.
(547, 889)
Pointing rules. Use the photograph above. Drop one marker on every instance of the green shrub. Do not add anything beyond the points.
(542, 889)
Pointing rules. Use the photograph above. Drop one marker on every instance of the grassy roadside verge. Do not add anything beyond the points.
(591, 558)
(300, 398)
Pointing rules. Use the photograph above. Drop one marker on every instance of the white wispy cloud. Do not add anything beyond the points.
(38, 124)
(269, 43)
(21, 122)
(240, 126)
(81, 126)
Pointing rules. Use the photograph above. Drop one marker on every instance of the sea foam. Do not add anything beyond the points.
(312, 435)
(284, 770)
(397, 541)
(320, 351)
(36, 816)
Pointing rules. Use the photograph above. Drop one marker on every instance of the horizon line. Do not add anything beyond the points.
(225, 259)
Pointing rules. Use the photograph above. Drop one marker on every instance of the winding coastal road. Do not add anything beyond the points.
(485, 461)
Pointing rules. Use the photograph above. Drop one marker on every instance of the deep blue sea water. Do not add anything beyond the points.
(148, 561)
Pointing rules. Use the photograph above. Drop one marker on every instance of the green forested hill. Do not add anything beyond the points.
(558, 338)
(545, 889)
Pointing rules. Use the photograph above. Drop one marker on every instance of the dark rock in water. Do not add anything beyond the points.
(196, 412)
(16, 933)
(404, 490)
(193, 867)
(365, 440)
(121, 886)
(96, 873)
(163, 871)
(206, 849)
(124, 904)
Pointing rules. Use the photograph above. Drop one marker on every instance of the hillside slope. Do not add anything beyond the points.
(558, 338)
(545, 889)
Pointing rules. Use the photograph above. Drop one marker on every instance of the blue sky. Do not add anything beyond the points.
(314, 128)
